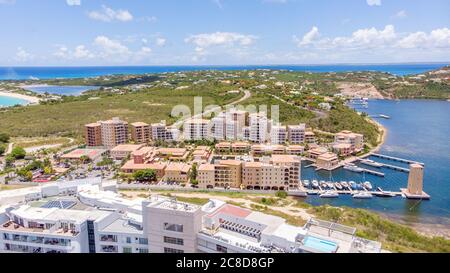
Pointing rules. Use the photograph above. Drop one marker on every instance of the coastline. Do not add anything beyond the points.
(29, 99)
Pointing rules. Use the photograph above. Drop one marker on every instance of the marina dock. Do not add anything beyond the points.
(397, 168)
(396, 159)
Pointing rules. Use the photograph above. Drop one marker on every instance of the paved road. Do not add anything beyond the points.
(247, 95)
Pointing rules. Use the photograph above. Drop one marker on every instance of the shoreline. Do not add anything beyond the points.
(29, 99)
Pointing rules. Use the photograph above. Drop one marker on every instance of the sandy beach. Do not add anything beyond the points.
(30, 99)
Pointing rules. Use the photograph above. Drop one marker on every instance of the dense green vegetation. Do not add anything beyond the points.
(145, 175)
(289, 114)
(344, 118)
(69, 117)
(394, 237)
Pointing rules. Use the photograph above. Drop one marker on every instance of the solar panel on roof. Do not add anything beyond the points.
(61, 204)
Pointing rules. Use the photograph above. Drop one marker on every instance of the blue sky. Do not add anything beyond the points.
(222, 32)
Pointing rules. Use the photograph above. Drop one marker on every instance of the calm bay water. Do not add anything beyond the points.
(418, 130)
(60, 90)
(25, 73)
(8, 101)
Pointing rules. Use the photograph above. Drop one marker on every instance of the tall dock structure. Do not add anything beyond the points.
(415, 183)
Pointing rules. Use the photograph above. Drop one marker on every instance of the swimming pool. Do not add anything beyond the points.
(319, 244)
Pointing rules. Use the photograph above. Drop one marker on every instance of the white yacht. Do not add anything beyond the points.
(352, 167)
(329, 194)
(306, 183)
(367, 185)
(338, 186)
(362, 195)
(315, 184)
(371, 163)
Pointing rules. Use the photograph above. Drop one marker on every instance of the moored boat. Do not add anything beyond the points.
(362, 195)
(338, 186)
(367, 185)
(315, 184)
(329, 194)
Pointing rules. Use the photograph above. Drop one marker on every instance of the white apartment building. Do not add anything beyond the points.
(259, 127)
(278, 134)
(159, 131)
(196, 129)
(219, 127)
(296, 133)
(235, 122)
(104, 222)
(172, 226)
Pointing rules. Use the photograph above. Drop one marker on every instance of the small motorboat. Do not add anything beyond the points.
(344, 184)
(367, 185)
(371, 163)
(338, 186)
(323, 184)
(362, 195)
(359, 186)
(330, 185)
(306, 183)
(352, 167)
(352, 185)
(329, 194)
(315, 184)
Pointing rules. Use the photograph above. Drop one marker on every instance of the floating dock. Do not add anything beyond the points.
(393, 167)
(397, 159)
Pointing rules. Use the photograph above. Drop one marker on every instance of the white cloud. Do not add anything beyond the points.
(73, 2)
(206, 40)
(438, 38)
(108, 15)
(400, 14)
(374, 2)
(80, 52)
(368, 37)
(308, 38)
(110, 47)
(22, 55)
(161, 41)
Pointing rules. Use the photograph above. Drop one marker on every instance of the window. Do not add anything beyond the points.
(222, 249)
(172, 250)
(172, 240)
(173, 227)
(128, 240)
(143, 241)
(127, 250)
(143, 250)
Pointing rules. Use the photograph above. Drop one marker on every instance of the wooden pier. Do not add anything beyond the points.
(397, 159)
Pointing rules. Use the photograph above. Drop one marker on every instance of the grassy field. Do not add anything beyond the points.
(68, 118)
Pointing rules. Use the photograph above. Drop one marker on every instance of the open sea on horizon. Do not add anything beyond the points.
(27, 73)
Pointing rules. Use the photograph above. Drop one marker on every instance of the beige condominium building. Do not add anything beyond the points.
(347, 137)
(296, 134)
(196, 129)
(264, 176)
(140, 132)
(177, 172)
(228, 173)
(93, 134)
(292, 168)
(114, 132)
